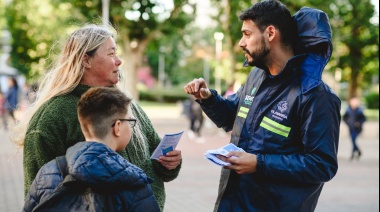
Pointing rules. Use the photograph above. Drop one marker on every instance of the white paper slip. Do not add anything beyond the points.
(211, 154)
(167, 144)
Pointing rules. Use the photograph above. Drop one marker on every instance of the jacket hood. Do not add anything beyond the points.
(314, 40)
(99, 166)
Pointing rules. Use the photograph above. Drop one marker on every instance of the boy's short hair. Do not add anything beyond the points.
(100, 107)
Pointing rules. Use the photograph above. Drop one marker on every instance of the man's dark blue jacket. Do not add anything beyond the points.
(289, 121)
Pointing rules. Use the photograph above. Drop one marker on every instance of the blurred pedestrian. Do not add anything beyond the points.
(195, 116)
(229, 91)
(3, 112)
(354, 118)
(11, 101)
(50, 126)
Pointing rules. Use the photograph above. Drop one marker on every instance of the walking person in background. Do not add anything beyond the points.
(11, 101)
(3, 113)
(285, 118)
(50, 126)
(229, 91)
(195, 115)
(354, 118)
(105, 120)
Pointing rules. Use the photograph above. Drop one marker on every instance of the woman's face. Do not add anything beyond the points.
(103, 68)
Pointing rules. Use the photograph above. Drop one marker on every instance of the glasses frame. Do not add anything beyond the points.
(131, 122)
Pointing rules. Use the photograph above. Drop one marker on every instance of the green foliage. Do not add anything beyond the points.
(2, 16)
(372, 114)
(36, 25)
(33, 34)
(185, 59)
(355, 38)
(163, 95)
(372, 100)
(232, 28)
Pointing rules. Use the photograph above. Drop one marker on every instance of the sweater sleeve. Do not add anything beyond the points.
(38, 150)
(49, 135)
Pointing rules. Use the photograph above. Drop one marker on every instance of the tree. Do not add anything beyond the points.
(359, 43)
(355, 38)
(33, 34)
(2, 15)
(138, 22)
(228, 23)
(187, 55)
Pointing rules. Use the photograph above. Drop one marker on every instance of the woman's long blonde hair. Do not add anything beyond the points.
(66, 74)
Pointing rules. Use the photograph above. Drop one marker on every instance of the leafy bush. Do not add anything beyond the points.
(372, 100)
(163, 95)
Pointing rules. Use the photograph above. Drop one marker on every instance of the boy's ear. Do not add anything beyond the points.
(116, 129)
(86, 61)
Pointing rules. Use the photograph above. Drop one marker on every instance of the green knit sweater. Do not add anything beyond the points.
(55, 127)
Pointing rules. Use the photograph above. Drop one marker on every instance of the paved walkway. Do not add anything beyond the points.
(354, 188)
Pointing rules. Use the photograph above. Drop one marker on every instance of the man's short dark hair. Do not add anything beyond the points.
(273, 12)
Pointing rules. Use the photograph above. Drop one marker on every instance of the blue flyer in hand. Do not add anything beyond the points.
(211, 154)
(167, 144)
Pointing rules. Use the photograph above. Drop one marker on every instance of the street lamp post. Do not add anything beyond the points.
(161, 66)
(206, 71)
(218, 54)
(105, 11)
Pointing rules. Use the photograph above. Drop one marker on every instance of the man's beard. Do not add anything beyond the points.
(258, 58)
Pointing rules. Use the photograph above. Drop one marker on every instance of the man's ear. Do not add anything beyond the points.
(86, 61)
(271, 32)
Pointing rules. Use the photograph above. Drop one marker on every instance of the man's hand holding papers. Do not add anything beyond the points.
(212, 154)
(233, 158)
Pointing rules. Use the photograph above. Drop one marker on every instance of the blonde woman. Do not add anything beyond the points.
(51, 126)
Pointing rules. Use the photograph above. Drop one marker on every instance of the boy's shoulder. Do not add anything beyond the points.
(73, 193)
(49, 175)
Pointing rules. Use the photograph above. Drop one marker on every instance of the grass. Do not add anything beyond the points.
(148, 104)
(372, 114)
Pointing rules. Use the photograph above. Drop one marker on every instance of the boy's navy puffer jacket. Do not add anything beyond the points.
(98, 166)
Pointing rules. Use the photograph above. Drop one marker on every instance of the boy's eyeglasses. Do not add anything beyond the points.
(131, 122)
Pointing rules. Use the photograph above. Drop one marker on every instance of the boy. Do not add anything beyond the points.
(107, 127)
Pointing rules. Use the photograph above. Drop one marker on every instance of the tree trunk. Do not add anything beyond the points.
(353, 84)
(132, 61)
(229, 76)
(355, 75)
